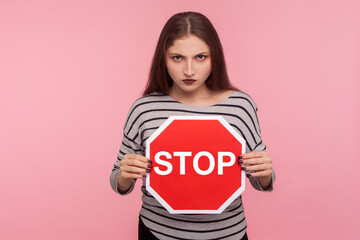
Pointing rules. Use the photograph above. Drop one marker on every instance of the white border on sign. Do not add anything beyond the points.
(230, 199)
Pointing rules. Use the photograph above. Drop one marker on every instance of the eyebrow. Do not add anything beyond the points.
(174, 53)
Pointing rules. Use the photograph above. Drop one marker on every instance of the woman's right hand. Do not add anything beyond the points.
(134, 166)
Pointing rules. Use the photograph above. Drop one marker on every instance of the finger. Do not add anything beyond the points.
(134, 169)
(133, 175)
(136, 163)
(265, 173)
(139, 157)
(144, 177)
(253, 161)
(255, 154)
(260, 167)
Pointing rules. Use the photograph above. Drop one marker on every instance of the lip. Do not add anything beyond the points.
(189, 81)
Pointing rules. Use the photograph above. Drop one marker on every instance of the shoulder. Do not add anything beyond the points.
(149, 101)
(146, 104)
(244, 99)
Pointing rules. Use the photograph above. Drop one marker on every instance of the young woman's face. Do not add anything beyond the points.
(189, 64)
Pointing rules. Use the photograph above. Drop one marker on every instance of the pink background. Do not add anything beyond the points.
(69, 71)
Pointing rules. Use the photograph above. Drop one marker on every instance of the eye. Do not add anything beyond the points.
(176, 58)
(201, 57)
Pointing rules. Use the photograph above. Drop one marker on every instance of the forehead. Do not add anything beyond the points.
(188, 44)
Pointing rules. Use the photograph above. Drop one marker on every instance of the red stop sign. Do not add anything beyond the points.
(195, 166)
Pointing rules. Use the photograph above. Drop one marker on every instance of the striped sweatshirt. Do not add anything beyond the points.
(145, 116)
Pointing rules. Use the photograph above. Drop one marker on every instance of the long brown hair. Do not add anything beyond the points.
(179, 25)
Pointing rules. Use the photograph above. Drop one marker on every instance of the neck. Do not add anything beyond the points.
(192, 98)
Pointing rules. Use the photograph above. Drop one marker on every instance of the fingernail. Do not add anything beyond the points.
(149, 161)
(147, 170)
(144, 176)
(240, 161)
(243, 168)
(248, 175)
(149, 166)
(240, 157)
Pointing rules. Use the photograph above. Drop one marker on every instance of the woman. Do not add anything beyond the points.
(188, 77)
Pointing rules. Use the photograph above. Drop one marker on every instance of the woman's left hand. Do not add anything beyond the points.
(261, 163)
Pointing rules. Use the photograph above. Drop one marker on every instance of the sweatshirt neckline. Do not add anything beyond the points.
(203, 106)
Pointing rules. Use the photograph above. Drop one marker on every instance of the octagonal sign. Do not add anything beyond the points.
(195, 167)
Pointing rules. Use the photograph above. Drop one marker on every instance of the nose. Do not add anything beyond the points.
(189, 68)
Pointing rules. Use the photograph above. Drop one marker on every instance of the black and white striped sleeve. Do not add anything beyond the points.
(129, 145)
(260, 146)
